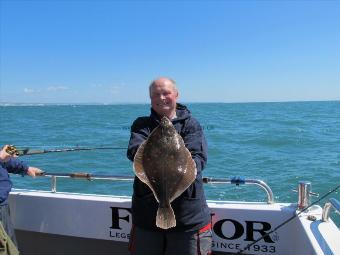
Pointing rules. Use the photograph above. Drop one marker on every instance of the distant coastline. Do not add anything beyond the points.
(143, 103)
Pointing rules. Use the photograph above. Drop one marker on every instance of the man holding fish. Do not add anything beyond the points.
(168, 149)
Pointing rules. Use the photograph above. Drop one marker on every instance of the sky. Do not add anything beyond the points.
(85, 51)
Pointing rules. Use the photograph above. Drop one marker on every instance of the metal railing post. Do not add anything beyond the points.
(54, 184)
(304, 190)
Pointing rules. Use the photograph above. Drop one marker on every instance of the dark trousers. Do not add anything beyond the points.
(7, 222)
(148, 242)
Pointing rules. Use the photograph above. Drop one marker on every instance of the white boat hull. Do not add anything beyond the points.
(65, 223)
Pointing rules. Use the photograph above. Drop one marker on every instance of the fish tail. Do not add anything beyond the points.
(165, 217)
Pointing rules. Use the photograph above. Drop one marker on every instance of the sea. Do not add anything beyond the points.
(280, 143)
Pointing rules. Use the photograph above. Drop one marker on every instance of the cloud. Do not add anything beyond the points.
(49, 89)
(114, 89)
(29, 91)
(57, 88)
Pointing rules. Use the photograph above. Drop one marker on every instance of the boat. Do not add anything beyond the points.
(52, 222)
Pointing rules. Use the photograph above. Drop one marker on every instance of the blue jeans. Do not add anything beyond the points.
(144, 241)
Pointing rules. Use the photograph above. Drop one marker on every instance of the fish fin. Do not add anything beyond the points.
(188, 179)
(138, 164)
(165, 217)
(139, 169)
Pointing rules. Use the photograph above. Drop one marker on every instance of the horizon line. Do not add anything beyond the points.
(148, 103)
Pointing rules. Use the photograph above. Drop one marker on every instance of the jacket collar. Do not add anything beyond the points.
(182, 112)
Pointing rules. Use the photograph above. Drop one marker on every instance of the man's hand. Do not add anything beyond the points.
(4, 156)
(34, 171)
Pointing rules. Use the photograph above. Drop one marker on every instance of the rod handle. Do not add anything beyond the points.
(81, 175)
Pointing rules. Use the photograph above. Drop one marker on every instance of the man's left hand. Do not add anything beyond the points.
(34, 171)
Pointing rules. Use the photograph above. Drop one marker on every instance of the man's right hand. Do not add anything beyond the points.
(4, 155)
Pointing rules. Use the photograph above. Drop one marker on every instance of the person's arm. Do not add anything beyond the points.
(139, 133)
(195, 141)
(16, 166)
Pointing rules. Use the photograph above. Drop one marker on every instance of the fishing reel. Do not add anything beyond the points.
(12, 150)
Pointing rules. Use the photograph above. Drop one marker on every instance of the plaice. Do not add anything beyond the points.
(164, 164)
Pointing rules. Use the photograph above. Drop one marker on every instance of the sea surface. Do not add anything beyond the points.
(279, 143)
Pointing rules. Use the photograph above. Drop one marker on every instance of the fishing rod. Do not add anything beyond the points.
(12, 150)
(88, 176)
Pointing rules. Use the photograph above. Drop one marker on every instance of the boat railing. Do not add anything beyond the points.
(327, 208)
(86, 176)
(240, 180)
(207, 180)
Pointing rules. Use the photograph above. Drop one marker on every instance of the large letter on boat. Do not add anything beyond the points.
(250, 231)
(238, 229)
(116, 218)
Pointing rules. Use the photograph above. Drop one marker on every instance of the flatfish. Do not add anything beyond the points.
(164, 164)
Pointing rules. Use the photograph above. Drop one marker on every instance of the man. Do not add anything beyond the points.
(10, 164)
(192, 234)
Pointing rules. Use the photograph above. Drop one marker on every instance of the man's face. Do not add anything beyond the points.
(163, 98)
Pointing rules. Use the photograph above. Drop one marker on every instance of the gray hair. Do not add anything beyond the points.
(173, 82)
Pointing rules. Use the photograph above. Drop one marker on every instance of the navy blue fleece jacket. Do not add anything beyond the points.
(190, 208)
(14, 166)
